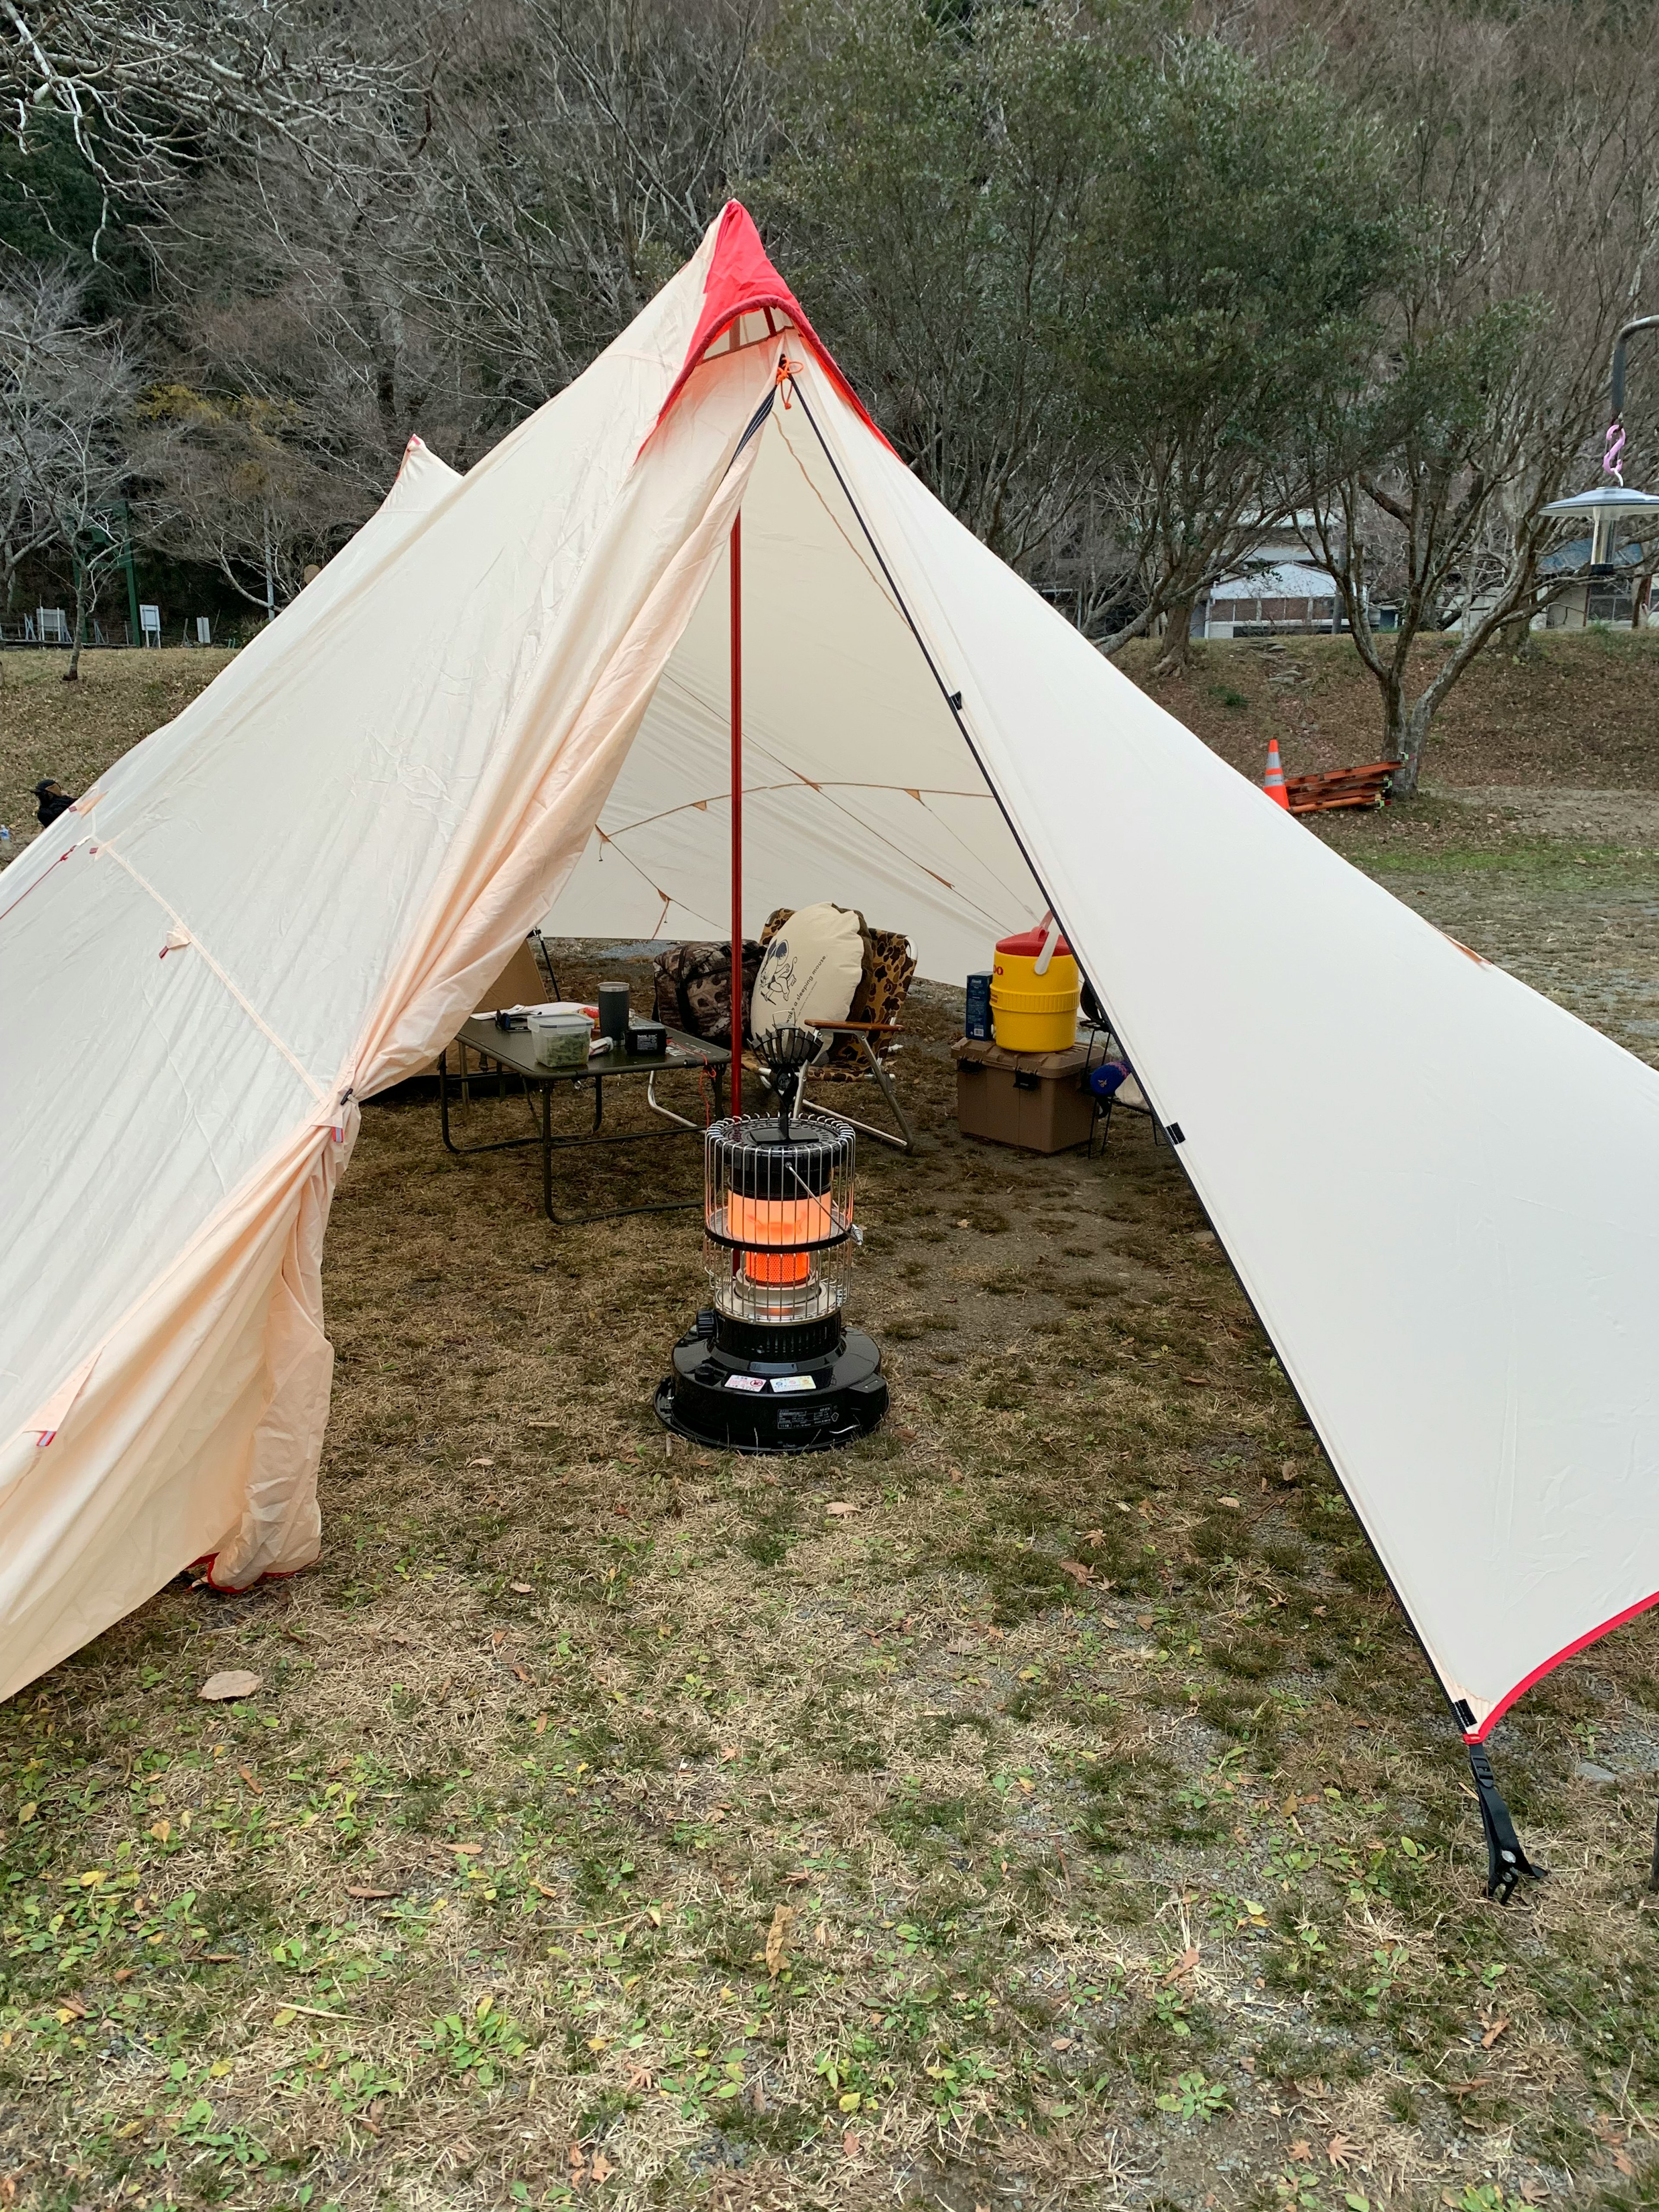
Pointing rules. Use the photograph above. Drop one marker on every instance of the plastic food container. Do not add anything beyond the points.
(1033, 1012)
(560, 1041)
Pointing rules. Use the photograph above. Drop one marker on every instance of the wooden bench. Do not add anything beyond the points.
(1343, 787)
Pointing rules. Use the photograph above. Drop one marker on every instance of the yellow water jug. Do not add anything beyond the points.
(1032, 1012)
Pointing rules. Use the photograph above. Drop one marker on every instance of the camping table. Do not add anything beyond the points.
(511, 1051)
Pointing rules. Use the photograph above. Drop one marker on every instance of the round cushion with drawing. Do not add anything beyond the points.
(810, 970)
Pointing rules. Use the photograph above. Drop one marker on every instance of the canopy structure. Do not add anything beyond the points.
(510, 699)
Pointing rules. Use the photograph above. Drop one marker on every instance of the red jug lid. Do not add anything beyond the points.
(1030, 943)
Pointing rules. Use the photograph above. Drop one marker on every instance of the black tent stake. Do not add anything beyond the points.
(1506, 1860)
(1653, 1871)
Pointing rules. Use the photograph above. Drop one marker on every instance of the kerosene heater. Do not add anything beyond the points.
(768, 1366)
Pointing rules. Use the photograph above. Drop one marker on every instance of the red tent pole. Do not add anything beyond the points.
(736, 814)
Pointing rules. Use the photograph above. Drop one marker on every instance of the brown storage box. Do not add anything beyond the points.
(1037, 1100)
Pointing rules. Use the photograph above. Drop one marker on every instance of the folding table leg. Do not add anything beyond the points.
(547, 1150)
(904, 1143)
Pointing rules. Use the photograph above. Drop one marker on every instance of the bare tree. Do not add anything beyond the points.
(1528, 175)
(146, 91)
(588, 145)
(66, 396)
(230, 481)
(37, 303)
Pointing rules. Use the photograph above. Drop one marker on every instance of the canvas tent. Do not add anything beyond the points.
(507, 697)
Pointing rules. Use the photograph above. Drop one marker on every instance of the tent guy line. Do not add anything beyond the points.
(108, 849)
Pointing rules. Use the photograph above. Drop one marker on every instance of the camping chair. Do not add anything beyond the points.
(861, 1049)
(1127, 1098)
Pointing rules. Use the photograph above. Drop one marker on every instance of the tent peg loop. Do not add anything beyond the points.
(1506, 1860)
(1653, 1870)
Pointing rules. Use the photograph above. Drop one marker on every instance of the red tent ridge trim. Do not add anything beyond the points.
(741, 280)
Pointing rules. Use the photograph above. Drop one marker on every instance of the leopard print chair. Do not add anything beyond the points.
(864, 1049)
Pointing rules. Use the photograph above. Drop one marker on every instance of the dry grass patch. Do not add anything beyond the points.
(1071, 1822)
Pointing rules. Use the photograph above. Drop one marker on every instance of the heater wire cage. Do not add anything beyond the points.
(778, 1216)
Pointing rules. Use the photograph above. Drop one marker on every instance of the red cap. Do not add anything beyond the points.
(1030, 943)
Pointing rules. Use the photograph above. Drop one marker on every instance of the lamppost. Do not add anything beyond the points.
(1604, 506)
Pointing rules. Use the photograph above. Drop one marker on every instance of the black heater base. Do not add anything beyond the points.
(819, 1388)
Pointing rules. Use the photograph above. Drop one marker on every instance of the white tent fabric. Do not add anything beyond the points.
(857, 786)
(284, 903)
(1435, 1185)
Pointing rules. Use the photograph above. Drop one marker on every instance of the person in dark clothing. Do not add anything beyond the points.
(54, 800)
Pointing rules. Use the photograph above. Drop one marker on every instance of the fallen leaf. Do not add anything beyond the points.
(961, 1225)
(523, 1673)
(235, 1683)
(849, 2145)
(1302, 2150)
(125, 1973)
(838, 1505)
(71, 2008)
(26, 1813)
(541, 1723)
(351, 1892)
(639, 2077)
(1143, 1620)
(1624, 2162)
(283, 2018)
(963, 1647)
(601, 2169)
(730, 1753)
(466, 1851)
(1493, 2032)
(481, 1462)
(794, 1881)
(1197, 1381)
(1027, 1785)
(1341, 2150)
(776, 1937)
(521, 1589)
(1061, 2043)
(161, 1830)
(1095, 1536)
(1233, 1502)
(1079, 1572)
(248, 1777)
(1184, 1965)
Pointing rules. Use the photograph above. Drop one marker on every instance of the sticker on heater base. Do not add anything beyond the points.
(794, 1382)
(746, 1382)
(780, 1383)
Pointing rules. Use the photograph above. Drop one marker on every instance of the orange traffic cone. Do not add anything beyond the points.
(1273, 782)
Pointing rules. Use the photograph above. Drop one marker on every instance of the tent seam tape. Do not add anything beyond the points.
(251, 1010)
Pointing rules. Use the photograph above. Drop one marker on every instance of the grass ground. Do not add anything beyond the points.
(1040, 1804)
